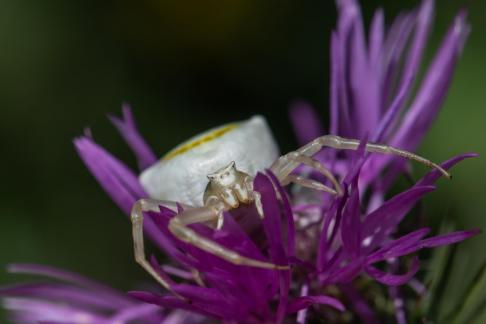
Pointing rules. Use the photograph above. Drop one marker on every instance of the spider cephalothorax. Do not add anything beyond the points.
(228, 185)
(227, 188)
(182, 177)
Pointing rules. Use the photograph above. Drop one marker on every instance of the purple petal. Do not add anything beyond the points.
(401, 246)
(412, 64)
(335, 212)
(396, 295)
(233, 237)
(393, 279)
(155, 264)
(62, 293)
(302, 314)
(449, 238)
(398, 303)
(305, 121)
(335, 106)
(433, 89)
(347, 273)
(239, 299)
(287, 213)
(332, 218)
(351, 223)
(364, 84)
(128, 130)
(433, 175)
(135, 313)
(36, 269)
(243, 288)
(396, 40)
(183, 317)
(166, 301)
(359, 304)
(196, 293)
(383, 220)
(159, 226)
(306, 301)
(430, 178)
(210, 300)
(409, 243)
(348, 11)
(271, 221)
(258, 284)
(272, 226)
(26, 310)
(418, 287)
(358, 158)
(377, 33)
(119, 182)
(183, 274)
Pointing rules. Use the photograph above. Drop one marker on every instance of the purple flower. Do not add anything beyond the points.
(330, 242)
(349, 244)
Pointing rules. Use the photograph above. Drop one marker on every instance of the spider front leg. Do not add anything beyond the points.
(250, 195)
(178, 227)
(287, 163)
(353, 144)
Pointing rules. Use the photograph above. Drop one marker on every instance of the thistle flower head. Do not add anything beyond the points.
(336, 246)
(342, 245)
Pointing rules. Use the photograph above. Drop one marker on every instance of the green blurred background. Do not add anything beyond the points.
(184, 66)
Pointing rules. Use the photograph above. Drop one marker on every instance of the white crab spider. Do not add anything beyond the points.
(229, 157)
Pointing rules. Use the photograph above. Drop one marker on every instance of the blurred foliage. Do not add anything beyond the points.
(187, 66)
(465, 308)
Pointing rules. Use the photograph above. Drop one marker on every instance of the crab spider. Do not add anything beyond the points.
(213, 173)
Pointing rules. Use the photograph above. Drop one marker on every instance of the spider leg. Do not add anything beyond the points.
(285, 165)
(309, 183)
(144, 205)
(178, 227)
(257, 198)
(300, 158)
(215, 203)
(254, 195)
(307, 160)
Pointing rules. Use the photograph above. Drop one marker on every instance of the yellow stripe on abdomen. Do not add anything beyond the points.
(199, 141)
